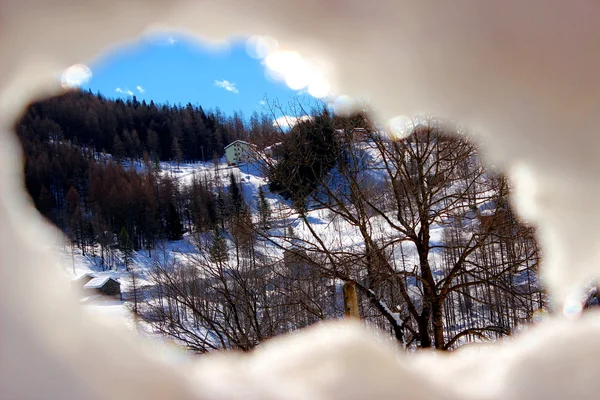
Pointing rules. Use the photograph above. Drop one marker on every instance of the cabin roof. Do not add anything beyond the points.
(90, 275)
(97, 283)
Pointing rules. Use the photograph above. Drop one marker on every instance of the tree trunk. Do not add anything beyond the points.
(429, 296)
(438, 324)
(423, 324)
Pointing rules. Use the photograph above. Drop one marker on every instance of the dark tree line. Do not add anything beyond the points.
(103, 205)
(128, 129)
(76, 171)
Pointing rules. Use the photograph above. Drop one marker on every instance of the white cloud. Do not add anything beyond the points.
(262, 102)
(140, 89)
(172, 40)
(288, 121)
(76, 75)
(225, 84)
(126, 91)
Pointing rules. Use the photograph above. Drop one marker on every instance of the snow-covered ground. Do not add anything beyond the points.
(337, 234)
(113, 310)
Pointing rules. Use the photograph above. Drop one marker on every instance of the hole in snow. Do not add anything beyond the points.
(472, 65)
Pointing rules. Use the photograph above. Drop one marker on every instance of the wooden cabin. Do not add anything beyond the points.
(105, 285)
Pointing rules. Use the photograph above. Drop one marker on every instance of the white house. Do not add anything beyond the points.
(238, 152)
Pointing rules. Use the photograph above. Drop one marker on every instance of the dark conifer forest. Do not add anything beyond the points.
(91, 163)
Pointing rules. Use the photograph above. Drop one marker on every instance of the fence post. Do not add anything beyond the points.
(350, 300)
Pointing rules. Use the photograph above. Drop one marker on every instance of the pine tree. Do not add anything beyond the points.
(264, 209)
(105, 239)
(237, 201)
(75, 217)
(45, 202)
(222, 209)
(176, 152)
(153, 144)
(126, 247)
(174, 226)
(218, 249)
(118, 148)
(310, 151)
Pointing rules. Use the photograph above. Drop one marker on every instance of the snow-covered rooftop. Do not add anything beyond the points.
(88, 274)
(236, 142)
(97, 283)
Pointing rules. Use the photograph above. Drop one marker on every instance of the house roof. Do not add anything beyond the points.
(97, 283)
(88, 274)
(237, 141)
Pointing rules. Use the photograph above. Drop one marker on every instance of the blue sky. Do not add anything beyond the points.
(175, 69)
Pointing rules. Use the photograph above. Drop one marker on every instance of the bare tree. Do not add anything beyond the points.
(432, 231)
(418, 226)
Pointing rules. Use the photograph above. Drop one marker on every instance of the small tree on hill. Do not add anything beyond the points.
(174, 226)
(237, 200)
(218, 248)
(126, 247)
(118, 149)
(264, 209)
(135, 289)
(75, 217)
(105, 239)
(176, 152)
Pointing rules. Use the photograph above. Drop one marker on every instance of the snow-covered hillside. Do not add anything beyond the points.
(75, 264)
(350, 232)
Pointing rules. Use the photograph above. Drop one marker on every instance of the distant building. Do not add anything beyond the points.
(238, 152)
(275, 151)
(82, 280)
(105, 285)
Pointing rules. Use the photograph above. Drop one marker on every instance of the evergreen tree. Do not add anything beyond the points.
(218, 249)
(126, 247)
(45, 202)
(310, 151)
(105, 239)
(237, 200)
(118, 148)
(153, 144)
(264, 209)
(75, 217)
(221, 208)
(176, 151)
(174, 225)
